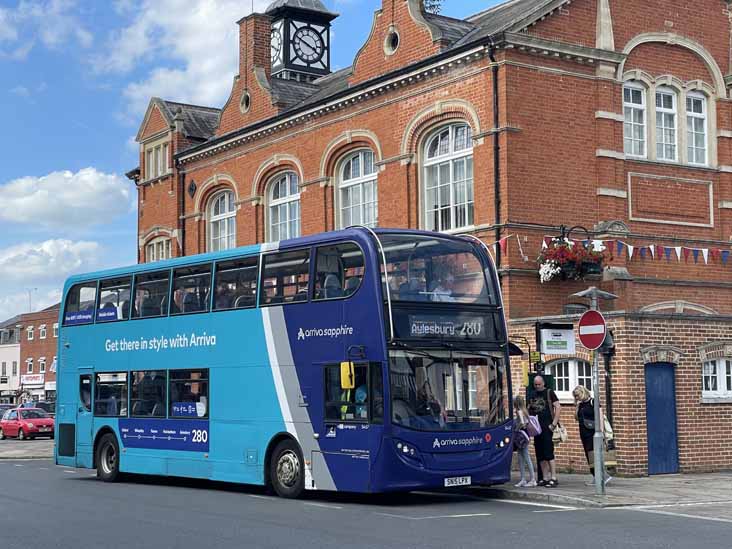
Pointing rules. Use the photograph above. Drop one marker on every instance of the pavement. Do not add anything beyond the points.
(62, 507)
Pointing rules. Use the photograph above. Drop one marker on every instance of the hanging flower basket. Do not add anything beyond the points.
(569, 260)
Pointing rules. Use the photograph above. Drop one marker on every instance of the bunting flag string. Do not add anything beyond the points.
(634, 252)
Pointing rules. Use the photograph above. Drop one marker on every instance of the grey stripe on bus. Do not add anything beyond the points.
(282, 362)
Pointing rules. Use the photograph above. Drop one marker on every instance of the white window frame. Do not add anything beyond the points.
(158, 249)
(357, 184)
(289, 199)
(690, 133)
(227, 239)
(29, 333)
(660, 130)
(42, 331)
(632, 107)
(29, 366)
(42, 365)
(157, 158)
(55, 329)
(451, 157)
(719, 371)
(573, 376)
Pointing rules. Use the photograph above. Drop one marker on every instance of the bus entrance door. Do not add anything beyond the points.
(84, 419)
(345, 435)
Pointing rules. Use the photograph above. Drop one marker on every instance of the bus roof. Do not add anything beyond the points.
(242, 251)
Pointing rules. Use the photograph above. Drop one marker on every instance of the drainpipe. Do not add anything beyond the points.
(182, 211)
(496, 151)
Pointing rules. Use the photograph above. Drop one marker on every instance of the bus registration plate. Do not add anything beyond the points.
(457, 481)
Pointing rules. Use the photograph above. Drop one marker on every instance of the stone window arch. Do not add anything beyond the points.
(357, 190)
(221, 221)
(283, 206)
(447, 178)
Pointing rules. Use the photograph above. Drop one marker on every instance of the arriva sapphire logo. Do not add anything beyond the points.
(453, 442)
(342, 330)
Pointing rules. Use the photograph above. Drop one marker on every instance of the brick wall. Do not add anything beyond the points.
(38, 348)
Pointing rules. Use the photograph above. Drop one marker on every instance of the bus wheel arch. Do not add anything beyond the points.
(284, 447)
(103, 431)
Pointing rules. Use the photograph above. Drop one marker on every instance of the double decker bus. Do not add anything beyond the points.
(359, 360)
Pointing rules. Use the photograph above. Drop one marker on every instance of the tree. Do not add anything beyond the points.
(433, 6)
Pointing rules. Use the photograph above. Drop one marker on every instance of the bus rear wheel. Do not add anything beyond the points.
(287, 473)
(108, 458)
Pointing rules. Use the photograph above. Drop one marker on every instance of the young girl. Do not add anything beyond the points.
(522, 418)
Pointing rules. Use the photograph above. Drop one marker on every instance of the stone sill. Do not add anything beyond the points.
(716, 400)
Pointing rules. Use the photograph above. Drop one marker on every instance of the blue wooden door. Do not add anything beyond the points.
(663, 449)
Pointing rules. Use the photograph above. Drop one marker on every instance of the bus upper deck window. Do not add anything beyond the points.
(114, 299)
(339, 271)
(151, 295)
(191, 290)
(80, 303)
(236, 284)
(285, 278)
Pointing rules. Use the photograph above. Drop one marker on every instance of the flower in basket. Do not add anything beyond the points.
(571, 260)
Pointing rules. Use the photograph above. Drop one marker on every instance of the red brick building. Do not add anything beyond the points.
(38, 350)
(613, 115)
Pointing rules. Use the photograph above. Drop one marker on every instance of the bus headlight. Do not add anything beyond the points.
(408, 452)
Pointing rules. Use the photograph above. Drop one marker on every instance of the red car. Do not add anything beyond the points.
(26, 423)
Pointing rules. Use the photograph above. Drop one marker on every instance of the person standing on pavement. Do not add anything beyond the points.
(544, 404)
(522, 419)
(585, 414)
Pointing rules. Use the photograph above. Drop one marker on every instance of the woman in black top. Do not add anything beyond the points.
(586, 419)
(544, 404)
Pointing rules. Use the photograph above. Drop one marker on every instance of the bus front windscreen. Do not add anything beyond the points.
(441, 391)
(428, 268)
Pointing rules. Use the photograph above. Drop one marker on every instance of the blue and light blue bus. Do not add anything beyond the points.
(362, 360)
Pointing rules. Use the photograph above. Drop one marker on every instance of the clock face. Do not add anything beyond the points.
(309, 46)
(276, 45)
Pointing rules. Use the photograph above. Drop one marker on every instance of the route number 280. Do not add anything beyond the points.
(471, 329)
(200, 436)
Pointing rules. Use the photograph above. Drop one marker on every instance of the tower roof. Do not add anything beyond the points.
(304, 5)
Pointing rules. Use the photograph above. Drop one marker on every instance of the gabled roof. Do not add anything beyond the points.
(510, 16)
(11, 322)
(199, 123)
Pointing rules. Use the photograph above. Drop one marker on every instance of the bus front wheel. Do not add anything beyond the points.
(287, 472)
(108, 458)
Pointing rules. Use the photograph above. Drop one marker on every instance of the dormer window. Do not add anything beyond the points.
(157, 159)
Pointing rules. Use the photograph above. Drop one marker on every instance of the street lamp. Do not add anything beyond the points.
(594, 295)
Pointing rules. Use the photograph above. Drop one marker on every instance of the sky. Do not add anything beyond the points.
(75, 79)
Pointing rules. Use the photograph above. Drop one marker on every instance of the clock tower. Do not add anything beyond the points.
(300, 39)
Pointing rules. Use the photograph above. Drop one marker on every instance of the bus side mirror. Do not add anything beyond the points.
(348, 377)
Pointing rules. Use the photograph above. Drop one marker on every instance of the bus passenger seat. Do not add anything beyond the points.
(158, 410)
(332, 287)
(352, 284)
(125, 310)
(149, 308)
(190, 303)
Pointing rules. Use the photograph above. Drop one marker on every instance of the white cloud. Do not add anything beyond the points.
(66, 200)
(188, 48)
(20, 91)
(36, 263)
(52, 22)
(40, 268)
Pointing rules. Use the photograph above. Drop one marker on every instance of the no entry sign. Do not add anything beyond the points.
(592, 330)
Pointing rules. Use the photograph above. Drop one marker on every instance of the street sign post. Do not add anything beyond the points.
(592, 330)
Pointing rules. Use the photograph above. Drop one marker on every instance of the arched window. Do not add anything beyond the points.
(222, 222)
(284, 207)
(568, 374)
(358, 201)
(448, 169)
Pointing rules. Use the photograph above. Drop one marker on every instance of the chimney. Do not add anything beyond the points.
(255, 33)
